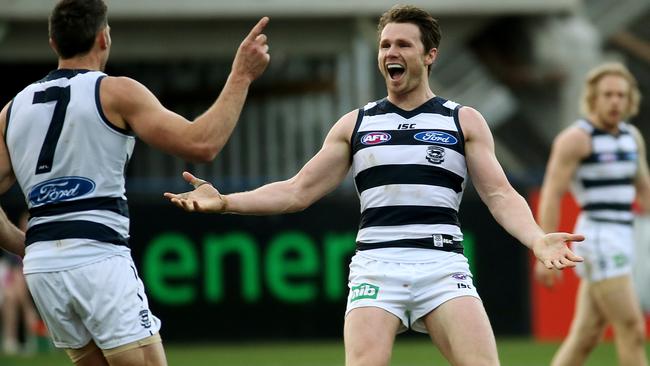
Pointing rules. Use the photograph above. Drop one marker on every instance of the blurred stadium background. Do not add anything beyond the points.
(238, 283)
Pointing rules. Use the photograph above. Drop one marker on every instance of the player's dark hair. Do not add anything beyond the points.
(74, 25)
(430, 34)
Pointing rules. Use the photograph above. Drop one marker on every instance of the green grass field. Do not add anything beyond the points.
(408, 352)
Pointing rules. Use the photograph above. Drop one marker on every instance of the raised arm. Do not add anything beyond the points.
(642, 180)
(507, 206)
(130, 105)
(319, 176)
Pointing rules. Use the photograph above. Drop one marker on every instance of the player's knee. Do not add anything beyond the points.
(632, 330)
(477, 360)
(367, 357)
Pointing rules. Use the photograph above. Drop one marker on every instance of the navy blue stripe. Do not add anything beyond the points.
(11, 103)
(407, 137)
(611, 157)
(598, 132)
(424, 243)
(607, 206)
(98, 103)
(461, 136)
(592, 183)
(433, 105)
(408, 215)
(354, 132)
(63, 73)
(611, 221)
(407, 174)
(114, 204)
(77, 229)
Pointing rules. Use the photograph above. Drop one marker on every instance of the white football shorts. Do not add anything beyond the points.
(608, 249)
(103, 301)
(408, 290)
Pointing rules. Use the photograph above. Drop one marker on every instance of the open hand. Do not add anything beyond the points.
(204, 197)
(552, 250)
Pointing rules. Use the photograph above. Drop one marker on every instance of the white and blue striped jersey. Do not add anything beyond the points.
(69, 162)
(409, 171)
(603, 184)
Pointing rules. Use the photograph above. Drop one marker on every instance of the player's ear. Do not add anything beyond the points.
(104, 38)
(431, 56)
(53, 45)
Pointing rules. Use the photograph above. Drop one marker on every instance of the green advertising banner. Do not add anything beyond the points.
(234, 277)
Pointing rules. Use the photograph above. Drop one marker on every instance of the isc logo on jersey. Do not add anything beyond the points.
(436, 137)
(374, 138)
(363, 291)
(60, 189)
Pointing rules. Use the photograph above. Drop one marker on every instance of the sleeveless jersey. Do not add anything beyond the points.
(69, 162)
(604, 181)
(409, 171)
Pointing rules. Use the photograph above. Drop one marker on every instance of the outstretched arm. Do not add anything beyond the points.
(318, 177)
(130, 105)
(507, 206)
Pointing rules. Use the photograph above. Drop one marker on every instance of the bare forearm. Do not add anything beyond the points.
(215, 126)
(549, 212)
(273, 198)
(512, 212)
(12, 238)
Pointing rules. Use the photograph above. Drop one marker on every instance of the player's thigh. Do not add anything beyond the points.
(370, 332)
(588, 320)
(617, 300)
(461, 329)
(88, 355)
(146, 352)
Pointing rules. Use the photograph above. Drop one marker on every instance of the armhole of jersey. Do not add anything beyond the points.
(98, 104)
(7, 119)
(461, 135)
(357, 124)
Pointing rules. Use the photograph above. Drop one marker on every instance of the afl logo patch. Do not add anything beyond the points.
(60, 189)
(374, 138)
(436, 137)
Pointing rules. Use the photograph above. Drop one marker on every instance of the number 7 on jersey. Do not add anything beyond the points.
(62, 97)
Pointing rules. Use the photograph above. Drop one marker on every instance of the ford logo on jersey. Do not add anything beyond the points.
(374, 138)
(436, 137)
(60, 189)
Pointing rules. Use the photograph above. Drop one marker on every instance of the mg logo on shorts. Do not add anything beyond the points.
(363, 291)
(145, 321)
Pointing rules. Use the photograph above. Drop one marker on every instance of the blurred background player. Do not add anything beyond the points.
(411, 154)
(601, 158)
(67, 140)
(16, 304)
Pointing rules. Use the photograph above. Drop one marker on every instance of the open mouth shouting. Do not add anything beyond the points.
(395, 71)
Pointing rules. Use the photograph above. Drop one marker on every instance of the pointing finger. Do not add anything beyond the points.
(257, 29)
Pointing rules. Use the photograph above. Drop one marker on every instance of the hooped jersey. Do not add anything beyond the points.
(410, 172)
(69, 161)
(603, 184)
